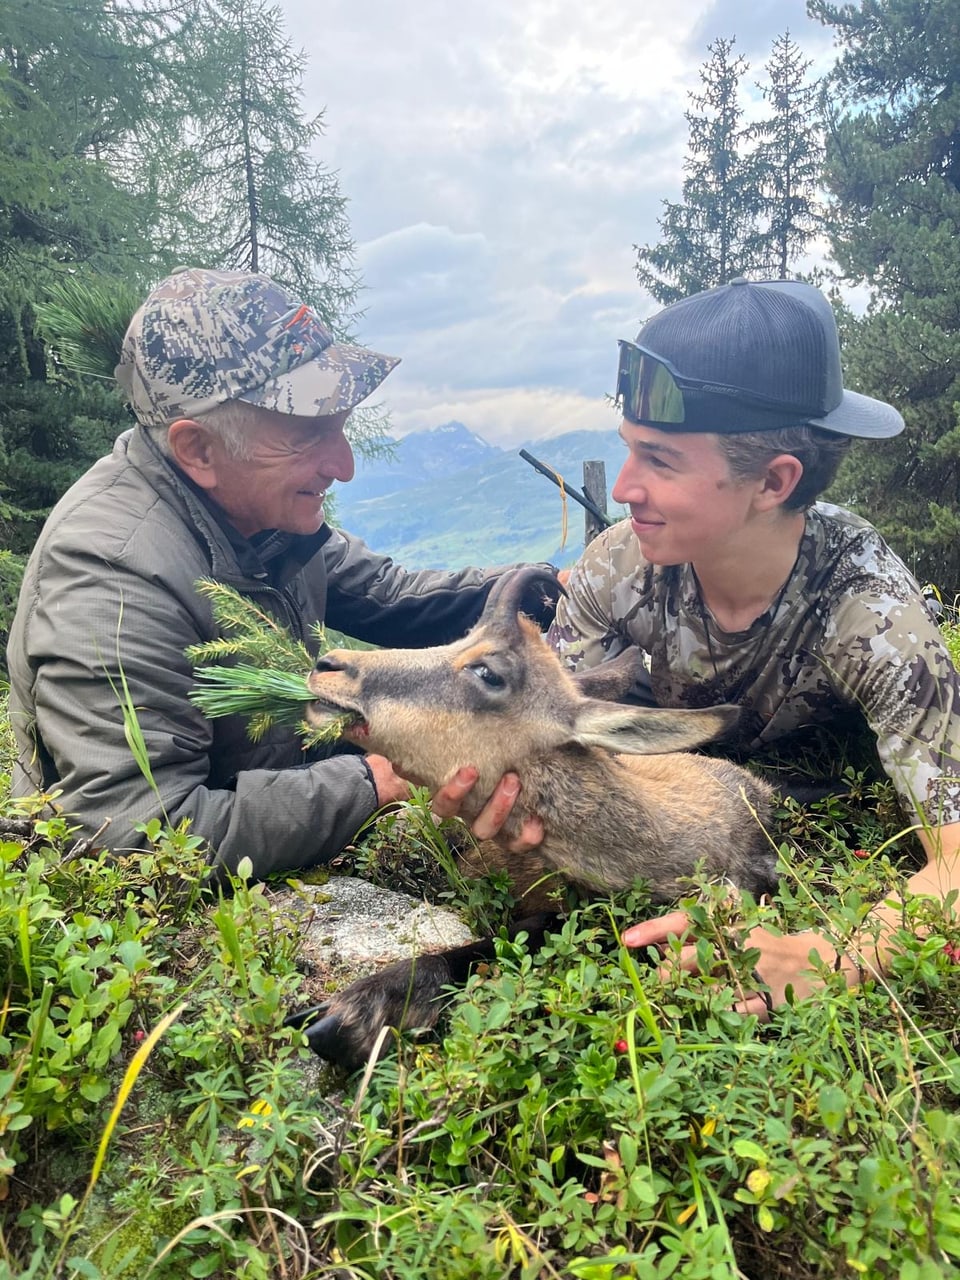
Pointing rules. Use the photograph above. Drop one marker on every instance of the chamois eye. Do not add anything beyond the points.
(487, 675)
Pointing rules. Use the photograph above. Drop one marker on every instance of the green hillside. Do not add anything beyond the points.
(495, 511)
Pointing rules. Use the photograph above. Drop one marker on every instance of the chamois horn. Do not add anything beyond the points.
(531, 589)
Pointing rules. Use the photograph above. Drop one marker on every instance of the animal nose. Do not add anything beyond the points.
(329, 662)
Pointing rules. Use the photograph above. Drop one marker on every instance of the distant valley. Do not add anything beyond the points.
(448, 498)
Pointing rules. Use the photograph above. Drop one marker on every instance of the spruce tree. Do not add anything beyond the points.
(711, 234)
(788, 159)
(893, 168)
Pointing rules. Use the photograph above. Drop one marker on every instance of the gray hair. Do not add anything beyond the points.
(234, 423)
(820, 452)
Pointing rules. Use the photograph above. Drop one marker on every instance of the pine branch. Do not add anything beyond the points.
(268, 684)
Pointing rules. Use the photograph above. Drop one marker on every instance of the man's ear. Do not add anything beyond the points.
(193, 449)
(781, 477)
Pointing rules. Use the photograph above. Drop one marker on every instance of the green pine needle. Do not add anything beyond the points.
(267, 684)
(245, 690)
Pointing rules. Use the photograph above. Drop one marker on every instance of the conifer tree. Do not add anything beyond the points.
(711, 234)
(893, 168)
(261, 201)
(789, 159)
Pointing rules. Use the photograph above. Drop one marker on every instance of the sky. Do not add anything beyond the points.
(501, 159)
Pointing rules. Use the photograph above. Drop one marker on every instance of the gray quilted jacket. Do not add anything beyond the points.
(110, 588)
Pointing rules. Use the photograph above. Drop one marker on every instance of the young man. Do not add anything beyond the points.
(741, 589)
(241, 396)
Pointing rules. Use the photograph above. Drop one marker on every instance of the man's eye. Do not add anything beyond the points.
(489, 677)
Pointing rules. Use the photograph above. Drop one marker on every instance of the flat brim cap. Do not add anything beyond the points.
(204, 337)
(775, 340)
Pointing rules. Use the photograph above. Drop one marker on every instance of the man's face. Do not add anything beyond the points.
(293, 461)
(684, 504)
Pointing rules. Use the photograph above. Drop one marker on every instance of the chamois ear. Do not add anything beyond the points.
(643, 731)
(612, 680)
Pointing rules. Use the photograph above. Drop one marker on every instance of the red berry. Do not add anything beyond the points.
(861, 853)
(139, 1035)
(621, 1046)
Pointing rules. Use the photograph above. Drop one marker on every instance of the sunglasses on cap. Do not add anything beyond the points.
(650, 390)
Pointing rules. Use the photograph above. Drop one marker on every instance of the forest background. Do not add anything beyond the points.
(134, 137)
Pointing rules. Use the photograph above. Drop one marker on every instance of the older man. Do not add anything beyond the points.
(241, 397)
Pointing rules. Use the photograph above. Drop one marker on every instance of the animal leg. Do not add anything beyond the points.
(405, 995)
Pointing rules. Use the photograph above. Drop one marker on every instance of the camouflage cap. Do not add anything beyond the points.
(204, 337)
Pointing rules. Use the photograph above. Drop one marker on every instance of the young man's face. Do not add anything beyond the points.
(684, 503)
(282, 485)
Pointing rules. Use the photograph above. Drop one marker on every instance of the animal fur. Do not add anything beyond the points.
(618, 797)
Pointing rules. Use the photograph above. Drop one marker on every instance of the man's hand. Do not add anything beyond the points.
(389, 784)
(488, 822)
(392, 786)
(784, 959)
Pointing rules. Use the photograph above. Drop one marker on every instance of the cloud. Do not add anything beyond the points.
(501, 162)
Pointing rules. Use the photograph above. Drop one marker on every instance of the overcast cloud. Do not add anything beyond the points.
(501, 159)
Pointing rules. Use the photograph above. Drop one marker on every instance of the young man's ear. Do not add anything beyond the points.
(781, 477)
(192, 448)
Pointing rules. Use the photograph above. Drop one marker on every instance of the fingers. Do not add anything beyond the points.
(447, 801)
(489, 821)
(686, 959)
(495, 812)
(530, 837)
(656, 932)
(760, 1006)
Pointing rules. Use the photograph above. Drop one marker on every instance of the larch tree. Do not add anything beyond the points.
(262, 202)
(78, 81)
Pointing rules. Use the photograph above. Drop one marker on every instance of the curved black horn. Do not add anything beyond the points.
(531, 589)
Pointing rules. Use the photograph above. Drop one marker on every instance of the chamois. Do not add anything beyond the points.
(613, 805)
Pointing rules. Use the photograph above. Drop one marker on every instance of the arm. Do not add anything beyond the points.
(884, 655)
(92, 622)
(589, 625)
(375, 600)
(785, 959)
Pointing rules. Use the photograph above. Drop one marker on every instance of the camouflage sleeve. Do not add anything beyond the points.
(590, 624)
(886, 655)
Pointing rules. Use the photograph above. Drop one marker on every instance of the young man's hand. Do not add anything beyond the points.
(392, 786)
(488, 822)
(784, 959)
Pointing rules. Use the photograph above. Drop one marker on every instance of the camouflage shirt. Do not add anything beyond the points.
(850, 635)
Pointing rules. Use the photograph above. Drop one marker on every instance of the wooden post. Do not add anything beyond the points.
(594, 488)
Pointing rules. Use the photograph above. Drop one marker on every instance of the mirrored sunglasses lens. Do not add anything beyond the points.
(646, 389)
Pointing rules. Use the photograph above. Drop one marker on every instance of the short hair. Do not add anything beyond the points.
(233, 423)
(820, 453)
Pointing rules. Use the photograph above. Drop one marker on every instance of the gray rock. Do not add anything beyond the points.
(351, 928)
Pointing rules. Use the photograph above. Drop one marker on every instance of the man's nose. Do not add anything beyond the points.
(337, 461)
(628, 487)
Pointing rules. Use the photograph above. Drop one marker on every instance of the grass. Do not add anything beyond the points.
(575, 1117)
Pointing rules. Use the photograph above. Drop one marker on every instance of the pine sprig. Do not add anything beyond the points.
(251, 634)
(245, 690)
(268, 684)
(266, 697)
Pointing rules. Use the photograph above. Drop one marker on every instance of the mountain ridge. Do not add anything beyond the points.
(448, 498)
